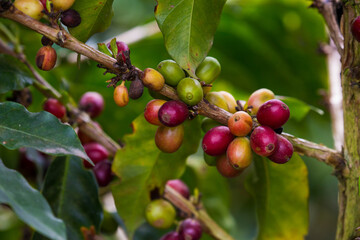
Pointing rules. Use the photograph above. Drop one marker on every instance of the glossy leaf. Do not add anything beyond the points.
(72, 193)
(298, 108)
(281, 195)
(28, 204)
(95, 17)
(188, 27)
(142, 168)
(42, 131)
(13, 75)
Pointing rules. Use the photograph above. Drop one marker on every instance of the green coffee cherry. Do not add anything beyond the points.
(210, 160)
(217, 99)
(160, 214)
(171, 71)
(208, 70)
(208, 123)
(190, 91)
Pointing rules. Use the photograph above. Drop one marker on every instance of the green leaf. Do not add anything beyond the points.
(188, 27)
(13, 75)
(42, 131)
(298, 108)
(142, 167)
(95, 17)
(72, 193)
(281, 193)
(103, 48)
(28, 204)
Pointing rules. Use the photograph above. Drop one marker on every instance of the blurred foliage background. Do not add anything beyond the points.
(260, 44)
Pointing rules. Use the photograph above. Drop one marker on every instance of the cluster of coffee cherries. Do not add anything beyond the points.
(161, 214)
(57, 9)
(93, 104)
(229, 148)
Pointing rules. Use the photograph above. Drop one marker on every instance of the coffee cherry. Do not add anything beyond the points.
(210, 160)
(45, 41)
(54, 107)
(102, 171)
(217, 99)
(230, 101)
(258, 98)
(84, 138)
(355, 28)
(92, 103)
(153, 79)
(151, 113)
(70, 18)
(169, 139)
(190, 91)
(62, 4)
(160, 213)
(46, 58)
(263, 141)
(171, 236)
(109, 224)
(136, 89)
(208, 123)
(173, 113)
(179, 186)
(239, 153)
(240, 124)
(273, 113)
(216, 140)
(171, 71)
(96, 153)
(32, 8)
(121, 95)
(283, 152)
(225, 169)
(208, 70)
(122, 48)
(190, 229)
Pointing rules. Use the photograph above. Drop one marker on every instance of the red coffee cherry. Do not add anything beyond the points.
(92, 103)
(240, 124)
(355, 28)
(179, 186)
(122, 48)
(54, 107)
(46, 58)
(96, 153)
(190, 229)
(151, 113)
(273, 113)
(70, 18)
(225, 169)
(169, 139)
(239, 153)
(103, 174)
(216, 140)
(283, 152)
(171, 236)
(263, 141)
(173, 113)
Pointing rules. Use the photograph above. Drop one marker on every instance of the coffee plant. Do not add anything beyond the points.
(194, 102)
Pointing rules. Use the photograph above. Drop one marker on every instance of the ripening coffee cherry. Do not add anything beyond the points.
(136, 89)
(153, 79)
(84, 138)
(121, 95)
(70, 18)
(62, 4)
(32, 8)
(171, 236)
(54, 107)
(217, 99)
(103, 174)
(151, 112)
(273, 113)
(122, 48)
(355, 28)
(92, 103)
(173, 113)
(263, 141)
(190, 91)
(160, 213)
(210, 160)
(225, 169)
(179, 186)
(46, 58)
(96, 152)
(258, 98)
(190, 229)
(240, 124)
(230, 100)
(239, 153)
(171, 71)
(169, 139)
(208, 70)
(283, 152)
(208, 123)
(216, 140)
